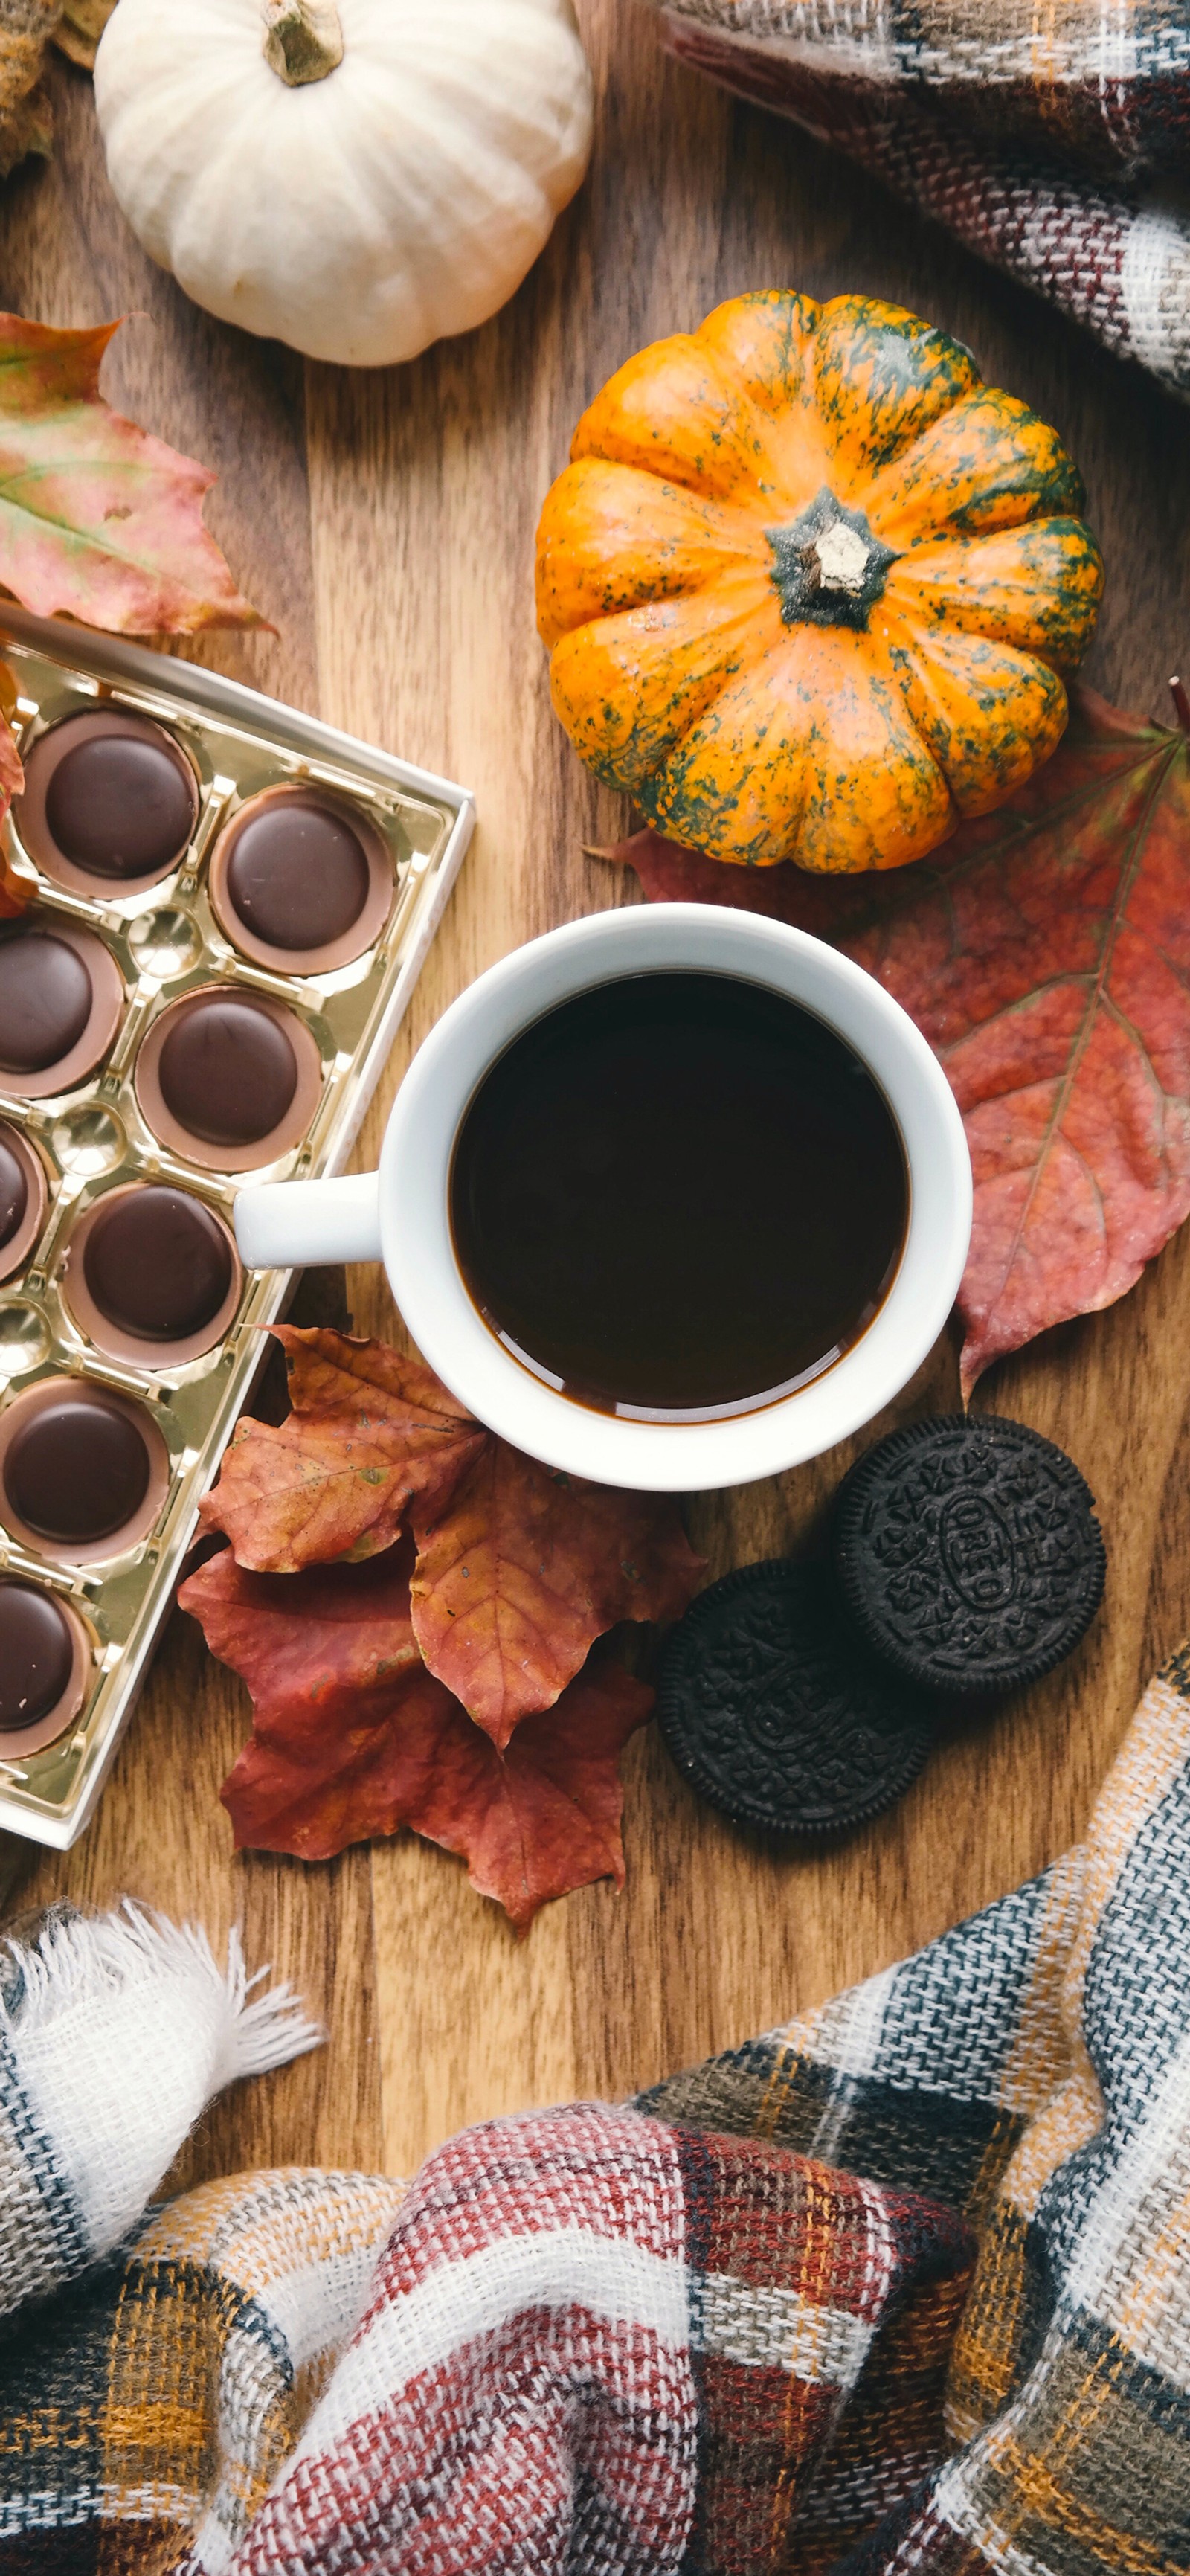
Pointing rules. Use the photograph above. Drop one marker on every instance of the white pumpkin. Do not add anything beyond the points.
(357, 179)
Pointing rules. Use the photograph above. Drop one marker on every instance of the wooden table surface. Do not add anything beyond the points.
(385, 522)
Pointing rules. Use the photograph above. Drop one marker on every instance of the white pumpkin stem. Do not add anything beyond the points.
(303, 40)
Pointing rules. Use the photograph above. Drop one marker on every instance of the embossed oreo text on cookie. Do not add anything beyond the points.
(776, 1712)
(969, 1553)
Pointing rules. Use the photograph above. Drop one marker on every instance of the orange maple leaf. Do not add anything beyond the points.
(369, 1430)
(525, 1568)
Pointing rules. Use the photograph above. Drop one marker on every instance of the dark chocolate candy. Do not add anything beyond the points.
(157, 1263)
(76, 1470)
(297, 875)
(119, 806)
(45, 1000)
(227, 1071)
(776, 1713)
(14, 1191)
(969, 1553)
(36, 1655)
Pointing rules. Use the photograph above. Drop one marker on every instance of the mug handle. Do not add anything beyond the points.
(286, 1225)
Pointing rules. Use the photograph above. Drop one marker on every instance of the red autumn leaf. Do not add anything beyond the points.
(525, 1569)
(519, 1569)
(98, 520)
(352, 1737)
(369, 1430)
(1045, 953)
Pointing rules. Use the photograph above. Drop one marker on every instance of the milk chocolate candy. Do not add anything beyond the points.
(152, 1275)
(230, 1080)
(301, 881)
(110, 802)
(45, 1660)
(22, 1199)
(83, 1471)
(60, 999)
(14, 1188)
(157, 1044)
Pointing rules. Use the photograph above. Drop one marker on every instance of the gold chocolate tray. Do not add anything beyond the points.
(167, 941)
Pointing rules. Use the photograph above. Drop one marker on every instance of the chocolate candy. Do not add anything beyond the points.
(128, 1340)
(229, 1080)
(228, 1072)
(776, 1713)
(156, 1263)
(14, 1190)
(301, 881)
(297, 875)
(22, 1198)
(61, 995)
(969, 1553)
(45, 1000)
(118, 807)
(36, 1655)
(76, 1470)
(109, 801)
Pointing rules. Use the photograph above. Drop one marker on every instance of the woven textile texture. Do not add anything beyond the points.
(1051, 138)
(115, 2032)
(904, 2286)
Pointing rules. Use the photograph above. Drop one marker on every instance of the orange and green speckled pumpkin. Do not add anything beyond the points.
(809, 584)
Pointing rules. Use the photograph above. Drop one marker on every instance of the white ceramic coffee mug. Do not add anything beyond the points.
(401, 1214)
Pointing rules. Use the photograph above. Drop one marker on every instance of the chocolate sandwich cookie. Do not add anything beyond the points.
(968, 1553)
(775, 1711)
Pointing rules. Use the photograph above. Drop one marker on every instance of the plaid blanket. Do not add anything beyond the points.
(1050, 135)
(904, 2286)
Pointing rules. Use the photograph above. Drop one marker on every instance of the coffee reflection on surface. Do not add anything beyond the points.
(678, 1196)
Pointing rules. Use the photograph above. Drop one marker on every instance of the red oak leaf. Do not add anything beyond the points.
(98, 520)
(369, 1430)
(1045, 953)
(525, 1569)
(352, 1737)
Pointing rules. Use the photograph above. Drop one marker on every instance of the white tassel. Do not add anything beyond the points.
(266, 2032)
(122, 2028)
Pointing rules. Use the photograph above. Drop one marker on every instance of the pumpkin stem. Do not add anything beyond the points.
(303, 40)
(829, 568)
(1181, 702)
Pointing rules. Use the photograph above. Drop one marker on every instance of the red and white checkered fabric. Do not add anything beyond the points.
(1053, 141)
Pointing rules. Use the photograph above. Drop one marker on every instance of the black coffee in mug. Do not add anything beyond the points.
(678, 1196)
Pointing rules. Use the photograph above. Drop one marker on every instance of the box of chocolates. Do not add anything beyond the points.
(219, 909)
